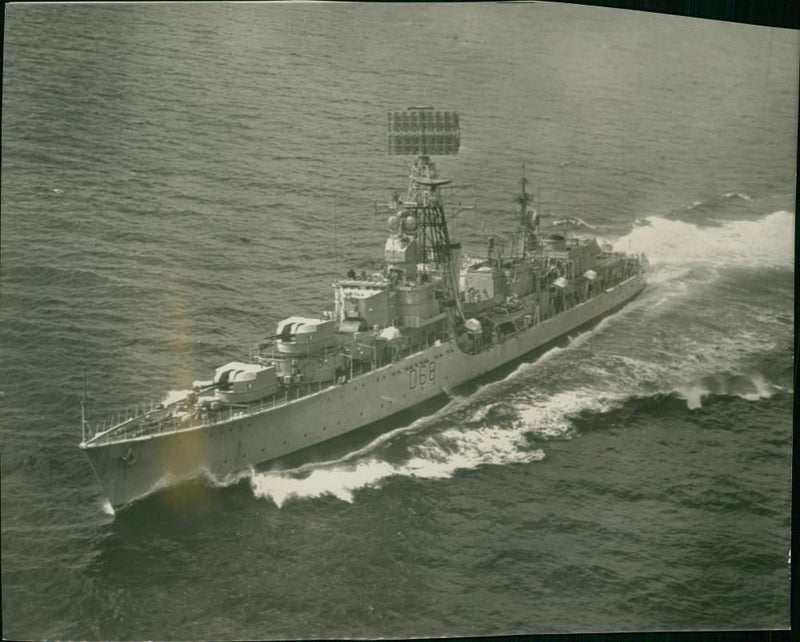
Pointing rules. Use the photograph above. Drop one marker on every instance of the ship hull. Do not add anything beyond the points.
(130, 469)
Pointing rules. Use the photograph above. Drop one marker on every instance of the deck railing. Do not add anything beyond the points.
(128, 425)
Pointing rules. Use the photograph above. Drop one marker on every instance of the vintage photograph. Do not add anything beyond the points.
(356, 320)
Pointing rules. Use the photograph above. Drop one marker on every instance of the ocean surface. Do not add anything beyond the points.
(178, 178)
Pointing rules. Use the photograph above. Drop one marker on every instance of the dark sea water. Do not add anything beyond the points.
(176, 179)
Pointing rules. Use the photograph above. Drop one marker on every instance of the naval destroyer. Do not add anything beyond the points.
(427, 322)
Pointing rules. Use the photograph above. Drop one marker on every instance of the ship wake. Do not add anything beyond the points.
(765, 242)
(436, 456)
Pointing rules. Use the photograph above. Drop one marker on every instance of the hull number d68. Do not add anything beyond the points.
(421, 374)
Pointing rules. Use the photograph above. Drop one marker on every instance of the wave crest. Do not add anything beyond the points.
(725, 384)
(435, 457)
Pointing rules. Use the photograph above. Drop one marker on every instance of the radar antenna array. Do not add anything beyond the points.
(422, 132)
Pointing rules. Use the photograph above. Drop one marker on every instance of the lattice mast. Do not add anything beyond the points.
(528, 219)
(424, 132)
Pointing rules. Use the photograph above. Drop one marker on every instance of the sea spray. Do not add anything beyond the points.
(766, 242)
(437, 456)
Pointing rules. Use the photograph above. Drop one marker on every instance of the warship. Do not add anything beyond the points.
(429, 321)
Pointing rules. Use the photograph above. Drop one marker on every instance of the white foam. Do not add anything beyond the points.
(693, 395)
(456, 448)
(763, 390)
(550, 417)
(230, 479)
(435, 457)
(767, 242)
(726, 384)
(685, 366)
(742, 195)
(107, 508)
(340, 482)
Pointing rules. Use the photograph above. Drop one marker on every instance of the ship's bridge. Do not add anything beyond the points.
(369, 302)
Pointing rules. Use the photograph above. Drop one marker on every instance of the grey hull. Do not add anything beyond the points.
(130, 469)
